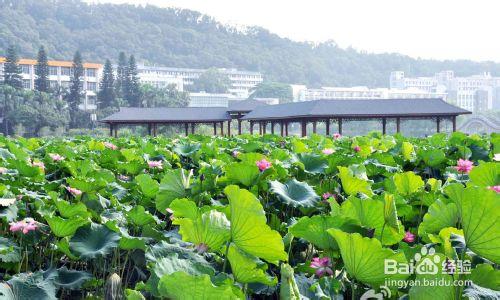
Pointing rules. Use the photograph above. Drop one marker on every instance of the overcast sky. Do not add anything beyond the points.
(441, 29)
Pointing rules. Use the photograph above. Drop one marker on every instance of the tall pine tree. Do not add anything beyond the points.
(121, 76)
(12, 71)
(75, 90)
(133, 87)
(42, 71)
(106, 95)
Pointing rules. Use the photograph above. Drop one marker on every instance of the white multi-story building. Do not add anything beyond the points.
(475, 93)
(363, 92)
(241, 81)
(158, 78)
(203, 99)
(60, 73)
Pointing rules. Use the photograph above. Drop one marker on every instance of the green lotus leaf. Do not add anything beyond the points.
(210, 228)
(139, 216)
(70, 210)
(249, 230)
(149, 187)
(71, 279)
(65, 227)
(172, 186)
(93, 240)
(439, 216)
(444, 238)
(9, 213)
(433, 157)
(186, 149)
(408, 183)
(288, 286)
(180, 285)
(28, 286)
(390, 212)
(480, 216)
(295, 193)
(247, 268)
(370, 214)
(313, 229)
(353, 185)
(486, 276)
(407, 150)
(420, 291)
(486, 174)
(131, 243)
(133, 295)
(9, 251)
(244, 173)
(364, 257)
(313, 163)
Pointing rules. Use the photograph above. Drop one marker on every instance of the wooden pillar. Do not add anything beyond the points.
(398, 124)
(215, 128)
(272, 127)
(251, 127)
(303, 127)
(154, 129)
(150, 129)
(339, 121)
(282, 130)
(438, 124)
(286, 128)
(264, 127)
(239, 127)
(454, 121)
(260, 128)
(116, 131)
(192, 128)
(327, 127)
(314, 126)
(111, 129)
(384, 125)
(186, 127)
(229, 128)
(222, 128)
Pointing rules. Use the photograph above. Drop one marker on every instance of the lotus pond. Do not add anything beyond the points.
(250, 217)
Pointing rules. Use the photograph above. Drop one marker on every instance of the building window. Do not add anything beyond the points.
(91, 86)
(65, 84)
(26, 83)
(53, 84)
(26, 69)
(65, 71)
(91, 72)
(53, 71)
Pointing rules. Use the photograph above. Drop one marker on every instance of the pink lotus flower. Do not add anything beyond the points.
(357, 148)
(409, 237)
(496, 157)
(328, 151)
(322, 265)
(3, 170)
(155, 164)
(495, 188)
(201, 248)
(464, 166)
(337, 136)
(327, 196)
(236, 153)
(25, 226)
(39, 164)
(263, 164)
(73, 191)
(56, 157)
(110, 146)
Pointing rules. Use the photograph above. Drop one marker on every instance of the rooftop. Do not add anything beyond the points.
(168, 115)
(55, 63)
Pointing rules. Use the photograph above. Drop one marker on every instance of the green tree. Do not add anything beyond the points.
(12, 71)
(42, 71)
(132, 84)
(167, 96)
(75, 90)
(269, 89)
(211, 81)
(121, 76)
(106, 95)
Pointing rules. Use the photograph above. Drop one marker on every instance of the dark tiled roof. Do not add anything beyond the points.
(357, 108)
(168, 115)
(244, 105)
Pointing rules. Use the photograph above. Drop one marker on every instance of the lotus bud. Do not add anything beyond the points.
(113, 289)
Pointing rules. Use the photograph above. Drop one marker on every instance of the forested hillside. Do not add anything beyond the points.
(184, 38)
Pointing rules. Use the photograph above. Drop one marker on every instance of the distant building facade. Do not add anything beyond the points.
(241, 81)
(60, 73)
(363, 92)
(475, 93)
(203, 99)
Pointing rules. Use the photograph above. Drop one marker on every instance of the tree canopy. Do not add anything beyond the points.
(184, 38)
(211, 81)
(269, 89)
